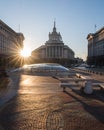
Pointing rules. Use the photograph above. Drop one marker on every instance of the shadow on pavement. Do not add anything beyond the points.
(96, 110)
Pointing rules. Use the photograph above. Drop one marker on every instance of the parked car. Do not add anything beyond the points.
(93, 66)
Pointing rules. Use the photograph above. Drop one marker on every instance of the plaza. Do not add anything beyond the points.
(39, 103)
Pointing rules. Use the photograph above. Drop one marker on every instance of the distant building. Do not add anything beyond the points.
(53, 49)
(10, 44)
(96, 48)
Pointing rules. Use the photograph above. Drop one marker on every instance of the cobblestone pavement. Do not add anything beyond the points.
(40, 104)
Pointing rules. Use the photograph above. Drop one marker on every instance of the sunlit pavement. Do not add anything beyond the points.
(40, 104)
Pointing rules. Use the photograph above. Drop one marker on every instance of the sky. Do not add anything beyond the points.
(75, 19)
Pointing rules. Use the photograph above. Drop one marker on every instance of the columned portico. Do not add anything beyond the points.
(54, 51)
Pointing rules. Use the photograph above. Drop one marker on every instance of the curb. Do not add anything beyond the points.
(92, 71)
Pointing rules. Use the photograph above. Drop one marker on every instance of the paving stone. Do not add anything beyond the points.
(46, 107)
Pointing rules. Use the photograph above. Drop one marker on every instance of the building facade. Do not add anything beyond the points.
(54, 48)
(10, 44)
(96, 48)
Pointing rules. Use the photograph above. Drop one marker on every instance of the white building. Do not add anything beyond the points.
(96, 48)
(54, 48)
(10, 43)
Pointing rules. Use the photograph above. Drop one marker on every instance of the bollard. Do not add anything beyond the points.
(64, 88)
(88, 88)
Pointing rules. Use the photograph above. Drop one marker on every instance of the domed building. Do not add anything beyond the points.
(54, 50)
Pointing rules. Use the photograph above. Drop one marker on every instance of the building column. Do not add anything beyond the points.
(49, 51)
(46, 52)
(56, 51)
(62, 52)
(52, 51)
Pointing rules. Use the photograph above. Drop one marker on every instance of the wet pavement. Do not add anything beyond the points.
(40, 104)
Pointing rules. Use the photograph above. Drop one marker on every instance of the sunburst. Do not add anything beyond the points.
(18, 56)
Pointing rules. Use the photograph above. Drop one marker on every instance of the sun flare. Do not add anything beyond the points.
(26, 52)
